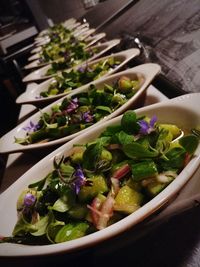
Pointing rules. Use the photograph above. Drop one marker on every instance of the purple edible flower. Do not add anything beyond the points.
(79, 179)
(147, 128)
(87, 117)
(85, 68)
(81, 69)
(73, 105)
(31, 127)
(29, 200)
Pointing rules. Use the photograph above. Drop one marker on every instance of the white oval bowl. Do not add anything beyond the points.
(81, 34)
(40, 74)
(32, 95)
(77, 28)
(146, 71)
(67, 23)
(74, 27)
(183, 111)
(93, 40)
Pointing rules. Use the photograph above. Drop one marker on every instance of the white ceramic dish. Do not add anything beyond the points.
(42, 34)
(82, 31)
(70, 22)
(85, 34)
(71, 25)
(103, 47)
(40, 73)
(34, 57)
(90, 42)
(32, 95)
(67, 23)
(36, 50)
(42, 41)
(94, 39)
(81, 35)
(182, 110)
(35, 64)
(77, 27)
(81, 26)
(147, 72)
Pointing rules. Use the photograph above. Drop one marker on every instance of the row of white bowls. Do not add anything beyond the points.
(182, 111)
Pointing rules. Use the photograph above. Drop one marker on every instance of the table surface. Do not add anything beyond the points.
(169, 238)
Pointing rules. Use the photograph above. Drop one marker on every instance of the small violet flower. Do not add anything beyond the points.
(147, 128)
(31, 127)
(81, 69)
(29, 200)
(73, 105)
(85, 68)
(87, 117)
(79, 179)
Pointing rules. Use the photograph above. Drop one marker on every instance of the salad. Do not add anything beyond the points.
(102, 182)
(52, 52)
(67, 59)
(81, 111)
(59, 33)
(62, 43)
(69, 80)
